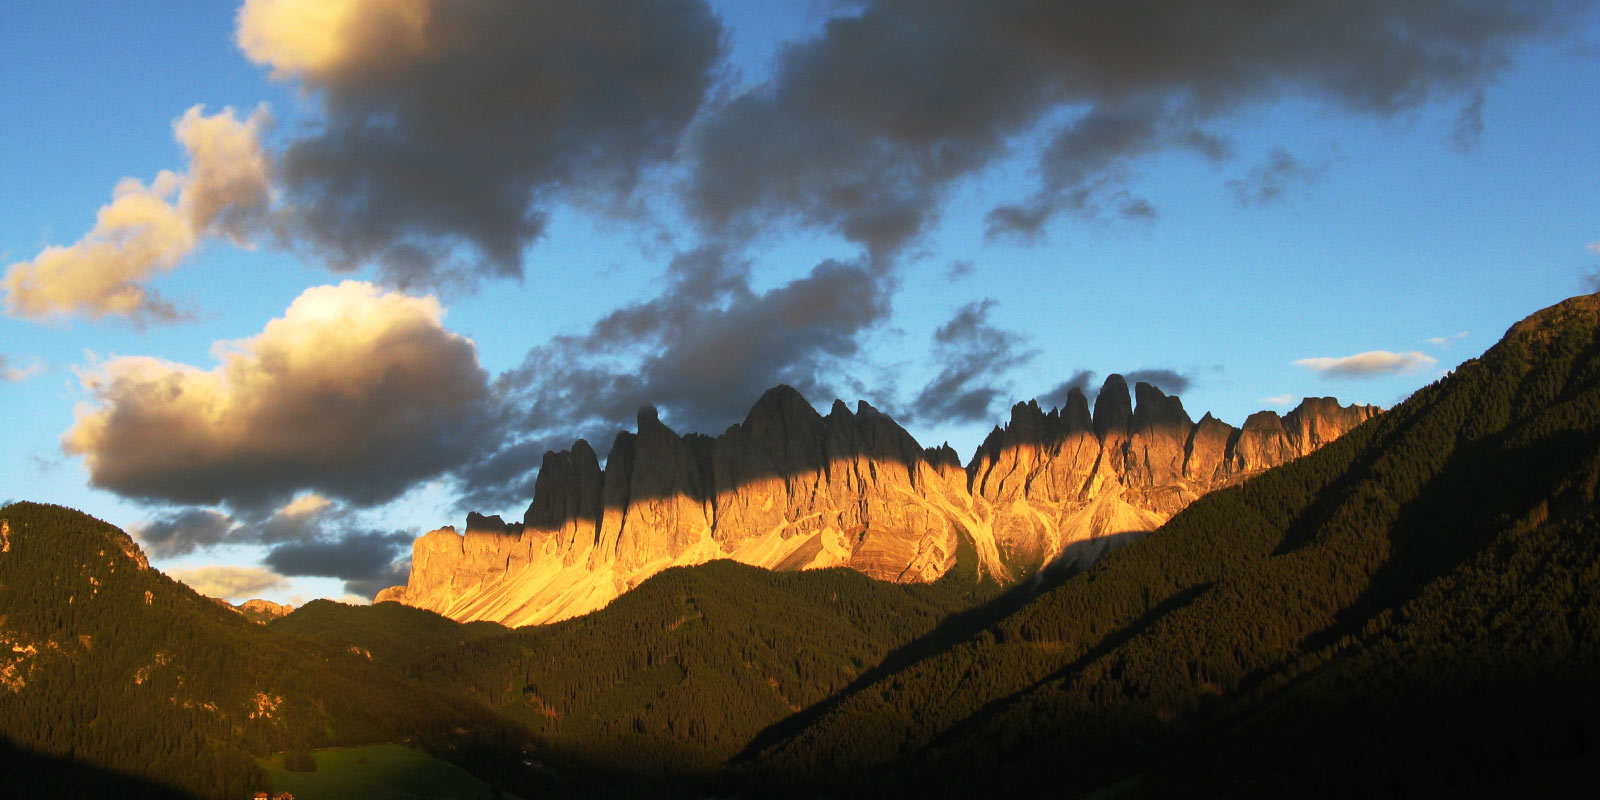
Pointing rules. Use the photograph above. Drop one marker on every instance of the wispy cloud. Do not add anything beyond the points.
(11, 374)
(1280, 400)
(701, 352)
(976, 357)
(1272, 179)
(230, 583)
(1369, 364)
(1446, 341)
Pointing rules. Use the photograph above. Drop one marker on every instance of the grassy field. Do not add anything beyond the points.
(380, 772)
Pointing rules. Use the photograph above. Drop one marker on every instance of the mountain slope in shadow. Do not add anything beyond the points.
(1414, 607)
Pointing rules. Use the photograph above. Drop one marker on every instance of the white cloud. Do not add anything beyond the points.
(1446, 341)
(1594, 247)
(148, 229)
(1283, 400)
(230, 583)
(1369, 364)
(354, 394)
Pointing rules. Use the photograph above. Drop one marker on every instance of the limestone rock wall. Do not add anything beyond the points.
(791, 489)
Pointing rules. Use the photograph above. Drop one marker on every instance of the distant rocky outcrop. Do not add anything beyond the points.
(263, 611)
(789, 488)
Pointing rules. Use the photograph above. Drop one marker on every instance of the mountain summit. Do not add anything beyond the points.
(789, 488)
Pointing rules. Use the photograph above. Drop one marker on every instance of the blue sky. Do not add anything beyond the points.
(1226, 219)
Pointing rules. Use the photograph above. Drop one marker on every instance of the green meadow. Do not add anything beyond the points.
(379, 772)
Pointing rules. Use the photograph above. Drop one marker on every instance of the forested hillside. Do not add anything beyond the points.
(111, 665)
(676, 676)
(1411, 608)
(389, 633)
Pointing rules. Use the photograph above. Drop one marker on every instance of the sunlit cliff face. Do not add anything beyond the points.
(789, 489)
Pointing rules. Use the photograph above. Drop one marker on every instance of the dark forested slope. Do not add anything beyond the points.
(389, 633)
(109, 664)
(678, 674)
(1414, 609)
(1411, 608)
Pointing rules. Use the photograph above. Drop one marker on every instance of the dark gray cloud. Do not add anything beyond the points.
(1082, 380)
(1269, 181)
(463, 124)
(702, 353)
(367, 562)
(974, 357)
(184, 531)
(1167, 380)
(863, 129)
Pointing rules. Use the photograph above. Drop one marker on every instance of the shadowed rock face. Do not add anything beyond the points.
(791, 489)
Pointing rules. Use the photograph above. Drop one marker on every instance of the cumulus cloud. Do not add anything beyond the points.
(367, 562)
(451, 124)
(975, 357)
(355, 393)
(1269, 181)
(1369, 364)
(863, 129)
(701, 353)
(230, 583)
(148, 229)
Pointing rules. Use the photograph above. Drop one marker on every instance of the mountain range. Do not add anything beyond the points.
(1409, 610)
(791, 489)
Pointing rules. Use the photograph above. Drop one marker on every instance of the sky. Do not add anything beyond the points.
(287, 283)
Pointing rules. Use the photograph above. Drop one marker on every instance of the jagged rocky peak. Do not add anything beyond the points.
(1113, 408)
(789, 488)
(491, 525)
(943, 457)
(568, 488)
(1156, 410)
